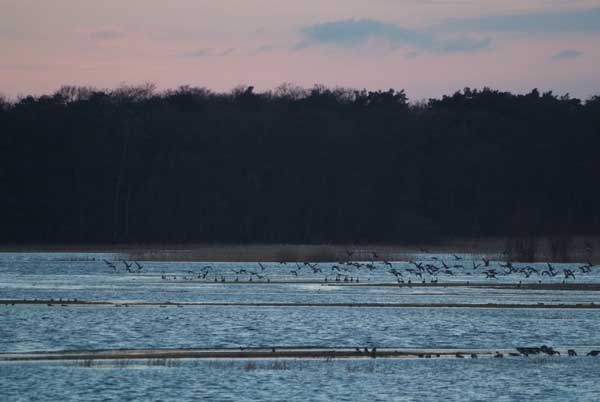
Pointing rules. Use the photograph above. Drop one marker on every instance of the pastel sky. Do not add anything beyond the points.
(427, 47)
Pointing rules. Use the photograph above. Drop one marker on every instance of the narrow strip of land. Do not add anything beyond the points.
(480, 285)
(415, 285)
(291, 352)
(66, 303)
(198, 252)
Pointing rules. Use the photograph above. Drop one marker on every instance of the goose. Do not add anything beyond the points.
(585, 269)
(491, 274)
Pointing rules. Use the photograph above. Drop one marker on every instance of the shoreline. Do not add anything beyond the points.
(216, 252)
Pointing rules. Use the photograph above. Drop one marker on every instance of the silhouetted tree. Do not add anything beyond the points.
(295, 165)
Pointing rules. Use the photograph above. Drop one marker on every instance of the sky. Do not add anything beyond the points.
(427, 47)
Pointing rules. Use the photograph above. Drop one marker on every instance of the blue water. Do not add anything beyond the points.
(87, 277)
(38, 327)
(521, 379)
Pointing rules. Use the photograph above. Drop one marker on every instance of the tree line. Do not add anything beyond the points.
(314, 165)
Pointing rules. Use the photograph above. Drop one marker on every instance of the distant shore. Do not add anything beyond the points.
(490, 248)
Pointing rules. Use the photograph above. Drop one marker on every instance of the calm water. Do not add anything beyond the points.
(25, 328)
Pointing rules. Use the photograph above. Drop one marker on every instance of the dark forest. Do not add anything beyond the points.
(317, 165)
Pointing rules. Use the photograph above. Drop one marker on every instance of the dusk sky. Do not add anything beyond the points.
(427, 47)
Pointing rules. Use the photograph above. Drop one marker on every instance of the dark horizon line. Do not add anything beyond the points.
(154, 90)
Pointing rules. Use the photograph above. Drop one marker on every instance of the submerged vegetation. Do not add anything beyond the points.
(125, 363)
(297, 165)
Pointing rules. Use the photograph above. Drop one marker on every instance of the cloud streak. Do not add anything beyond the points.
(353, 32)
(553, 22)
(567, 54)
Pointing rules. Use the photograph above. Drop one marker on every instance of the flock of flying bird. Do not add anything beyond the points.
(349, 271)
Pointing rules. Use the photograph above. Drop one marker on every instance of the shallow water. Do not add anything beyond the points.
(520, 379)
(87, 277)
